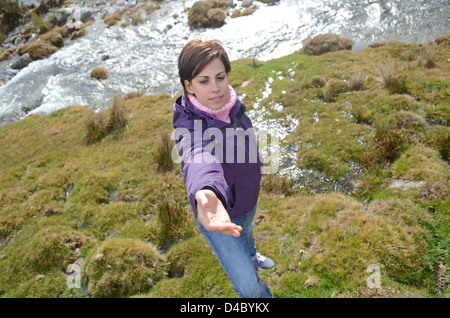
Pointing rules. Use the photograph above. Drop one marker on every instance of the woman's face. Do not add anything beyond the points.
(210, 86)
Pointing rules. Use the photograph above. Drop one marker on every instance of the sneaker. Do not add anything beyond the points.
(263, 262)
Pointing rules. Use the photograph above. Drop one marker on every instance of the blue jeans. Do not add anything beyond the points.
(235, 255)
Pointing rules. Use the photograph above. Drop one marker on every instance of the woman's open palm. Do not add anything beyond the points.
(212, 214)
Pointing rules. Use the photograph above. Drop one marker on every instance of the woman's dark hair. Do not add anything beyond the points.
(196, 55)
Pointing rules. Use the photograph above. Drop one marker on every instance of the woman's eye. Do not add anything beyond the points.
(221, 78)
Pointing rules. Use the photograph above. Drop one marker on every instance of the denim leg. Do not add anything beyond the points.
(246, 221)
(234, 256)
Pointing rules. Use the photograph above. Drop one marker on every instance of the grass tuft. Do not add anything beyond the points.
(394, 83)
(173, 217)
(163, 153)
(98, 126)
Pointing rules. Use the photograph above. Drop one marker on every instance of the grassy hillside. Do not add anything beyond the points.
(377, 118)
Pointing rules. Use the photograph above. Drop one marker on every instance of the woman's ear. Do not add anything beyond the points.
(188, 86)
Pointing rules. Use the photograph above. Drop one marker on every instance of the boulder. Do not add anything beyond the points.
(62, 14)
(230, 4)
(20, 61)
(84, 14)
(270, 2)
(325, 43)
(131, 3)
(247, 3)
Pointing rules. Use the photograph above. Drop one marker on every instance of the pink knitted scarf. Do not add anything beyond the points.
(223, 113)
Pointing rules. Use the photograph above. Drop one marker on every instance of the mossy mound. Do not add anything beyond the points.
(100, 73)
(325, 43)
(124, 267)
(207, 14)
(420, 163)
(37, 49)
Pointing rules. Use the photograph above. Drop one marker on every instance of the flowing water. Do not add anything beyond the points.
(143, 58)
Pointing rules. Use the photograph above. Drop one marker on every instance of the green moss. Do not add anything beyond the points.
(420, 163)
(109, 195)
(121, 267)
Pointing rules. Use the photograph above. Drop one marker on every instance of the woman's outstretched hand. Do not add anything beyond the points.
(212, 214)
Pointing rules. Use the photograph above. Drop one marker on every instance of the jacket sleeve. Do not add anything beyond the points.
(201, 169)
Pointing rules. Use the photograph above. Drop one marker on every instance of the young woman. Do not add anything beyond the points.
(222, 188)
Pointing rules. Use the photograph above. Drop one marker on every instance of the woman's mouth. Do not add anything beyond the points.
(216, 99)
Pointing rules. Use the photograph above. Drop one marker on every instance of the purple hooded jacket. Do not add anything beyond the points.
(219, 156)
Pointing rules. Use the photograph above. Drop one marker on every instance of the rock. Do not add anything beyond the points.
(404, 184)
(62, 14)
(19, 62)
(81, 14)
(269, 2)
(106, 11)
(247, 3)
(325, 43)
(131, 3)
(36, 3)
(85, 14)
(74, 26)
(17, 40)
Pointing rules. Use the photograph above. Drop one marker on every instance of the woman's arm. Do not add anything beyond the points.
(201, 170)
(212, 214)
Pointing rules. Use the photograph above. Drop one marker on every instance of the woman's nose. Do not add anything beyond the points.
(215, 86)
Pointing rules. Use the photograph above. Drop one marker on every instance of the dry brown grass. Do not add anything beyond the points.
(435, 190)
(394, 83)
(37, 49)
(426, 57)
(163, 152)
(98, 125)
(95, 127)
(357, 81)
(384, 148)
(118, 116)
